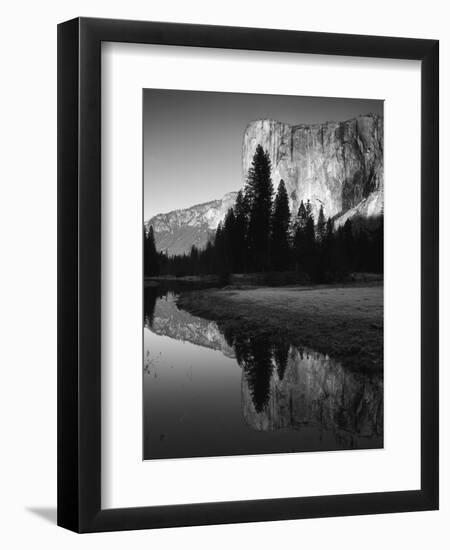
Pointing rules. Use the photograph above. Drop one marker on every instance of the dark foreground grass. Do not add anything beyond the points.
(344, 322)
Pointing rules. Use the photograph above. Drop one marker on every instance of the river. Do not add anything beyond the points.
(207, 392)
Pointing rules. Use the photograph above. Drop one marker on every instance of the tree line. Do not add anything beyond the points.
(260, 234)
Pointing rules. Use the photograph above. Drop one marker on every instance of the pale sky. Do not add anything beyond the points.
(193, 140)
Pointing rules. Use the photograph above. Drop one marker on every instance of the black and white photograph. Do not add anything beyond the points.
(229, 225)
(262, 274)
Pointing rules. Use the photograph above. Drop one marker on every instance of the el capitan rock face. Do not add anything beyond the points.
(336, 164)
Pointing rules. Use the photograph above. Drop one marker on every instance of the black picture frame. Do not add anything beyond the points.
(79, 274)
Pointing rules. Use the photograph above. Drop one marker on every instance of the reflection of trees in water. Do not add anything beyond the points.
(150, 296)
(258, 370)
(313, 390)
(280, 355)
(308, 388)
(258, 355)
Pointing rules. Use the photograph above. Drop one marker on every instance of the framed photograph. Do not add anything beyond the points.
(248, 275)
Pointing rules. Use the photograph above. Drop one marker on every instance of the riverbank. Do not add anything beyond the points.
(273, 279)
(346, 322)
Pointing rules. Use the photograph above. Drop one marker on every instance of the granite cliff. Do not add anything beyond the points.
(335, 164)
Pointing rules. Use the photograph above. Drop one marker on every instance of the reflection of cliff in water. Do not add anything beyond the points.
(316, 390)
(283, 386)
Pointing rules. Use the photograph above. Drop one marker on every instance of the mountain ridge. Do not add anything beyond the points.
(178, 230)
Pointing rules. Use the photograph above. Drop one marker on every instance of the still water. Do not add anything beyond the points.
(210, 393)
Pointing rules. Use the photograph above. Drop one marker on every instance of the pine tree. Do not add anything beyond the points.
(258, 193)
(279, 242)
(302, 217)
(309, 213)
(299, 237)
(321, 225)
(229, 240)
(241, 212)
(329, 230)
(310, 241)
(208, 258)
(379, 248)
(349, 246)
(221, 254)
(151, 263)
(326, 257)
(218, 250)
(305, 240)
(310, 236)
(194, 258)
